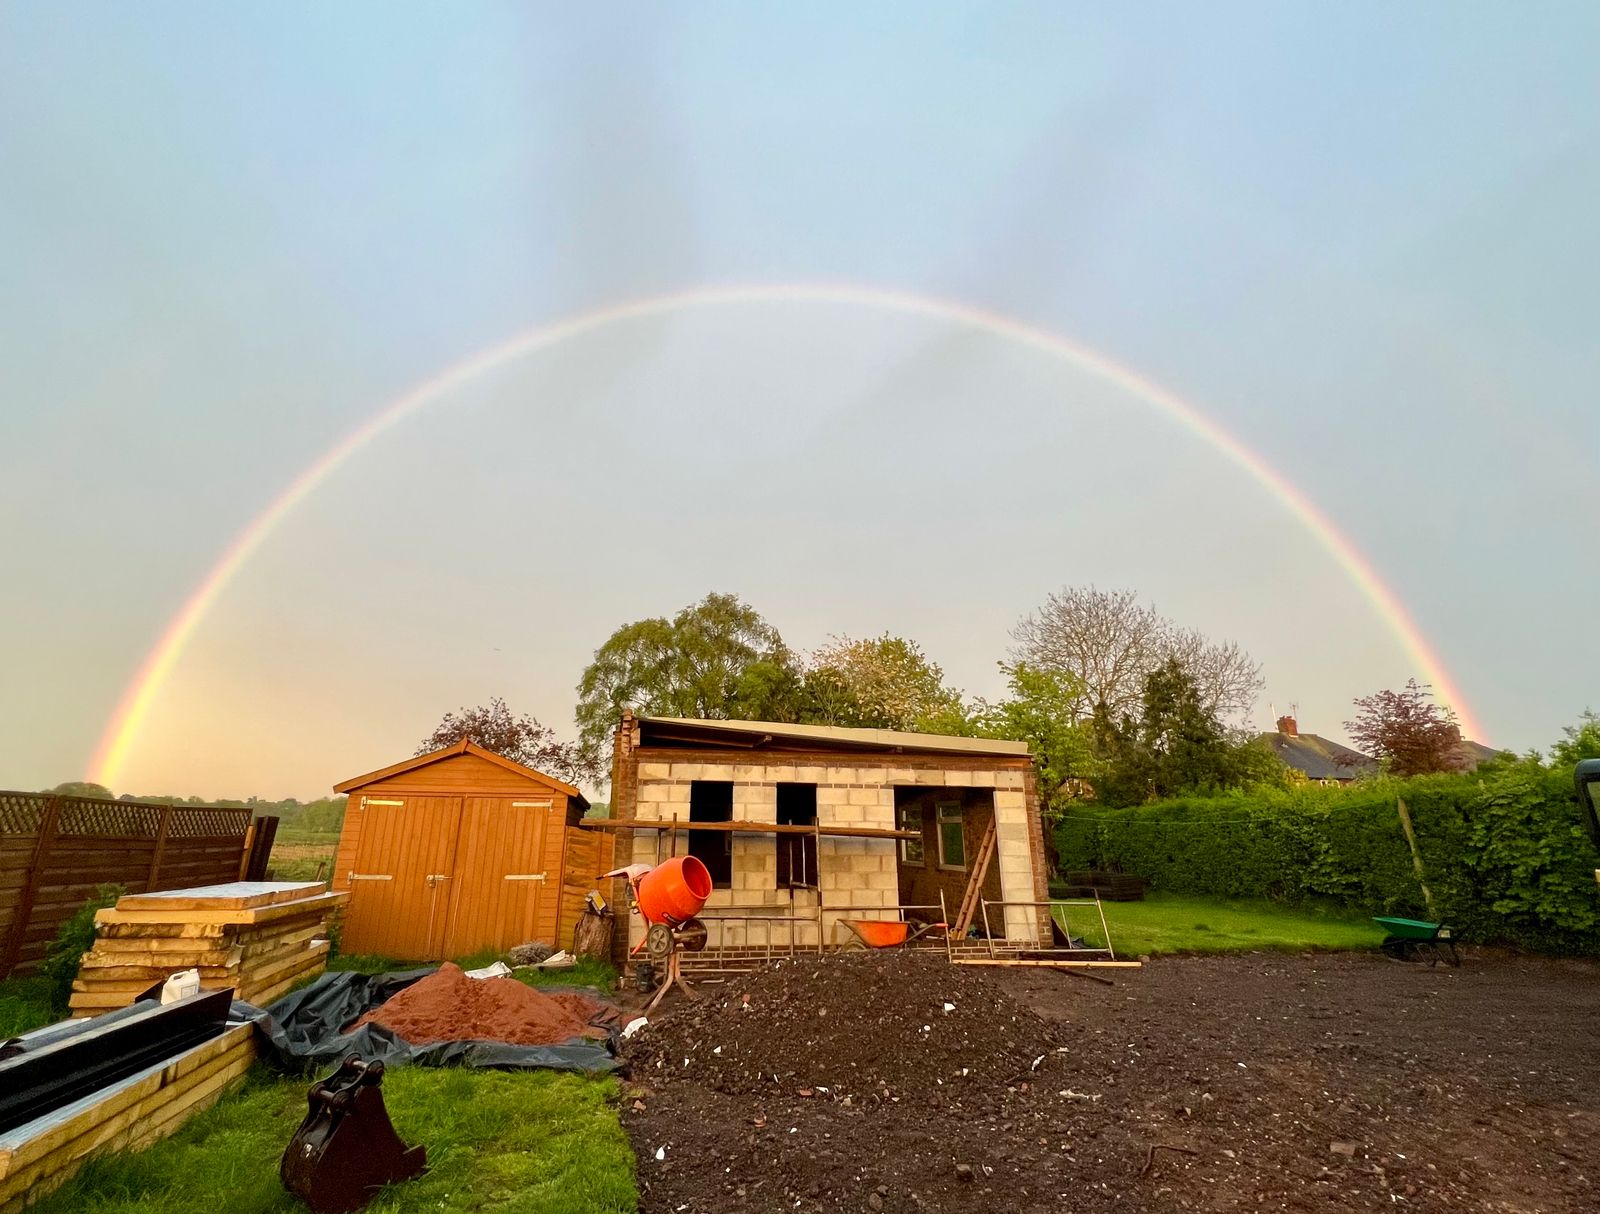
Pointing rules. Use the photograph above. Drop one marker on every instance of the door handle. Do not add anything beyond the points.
(435, 878)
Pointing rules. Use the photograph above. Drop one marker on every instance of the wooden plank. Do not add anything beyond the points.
(37, 1138)
(744, 827)
(1112, 965)
(234, 895)
(241, 916)
(156, 1114)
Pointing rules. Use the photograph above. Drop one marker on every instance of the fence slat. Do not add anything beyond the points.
(30, 889)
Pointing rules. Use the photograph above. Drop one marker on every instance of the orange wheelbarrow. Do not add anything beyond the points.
(885, 933)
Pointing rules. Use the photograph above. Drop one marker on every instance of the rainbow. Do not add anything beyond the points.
(134, 707)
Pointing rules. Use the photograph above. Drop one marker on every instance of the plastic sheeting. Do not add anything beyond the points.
(302, 1032)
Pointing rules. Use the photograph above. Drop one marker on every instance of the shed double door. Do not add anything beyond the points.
(447, 876)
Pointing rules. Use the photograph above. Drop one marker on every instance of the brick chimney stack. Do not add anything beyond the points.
(1286, 725)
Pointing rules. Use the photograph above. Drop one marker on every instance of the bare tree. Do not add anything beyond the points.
(1109, 642)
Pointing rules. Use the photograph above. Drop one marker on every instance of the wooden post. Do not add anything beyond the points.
(160, 851)
(1416, 853)
(48, 821)
(244, 856)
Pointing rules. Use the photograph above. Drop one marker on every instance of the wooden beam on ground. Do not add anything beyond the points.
(1115, 965)
(752, 828)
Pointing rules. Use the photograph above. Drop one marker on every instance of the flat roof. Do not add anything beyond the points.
(826, 737)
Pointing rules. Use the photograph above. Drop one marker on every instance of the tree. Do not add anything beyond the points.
(1407, 730)
(1580, 741)
(81, 788)
(883, 683)
(520, 739)
(698, 664)
(1176, 746)
(1109, 643)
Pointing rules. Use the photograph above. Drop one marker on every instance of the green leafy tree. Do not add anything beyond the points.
(520, 739)
(1176, 746)
(81, 788)
(697, 664)
(1580, 741)
(1405, 729)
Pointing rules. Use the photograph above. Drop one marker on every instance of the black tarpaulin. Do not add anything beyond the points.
(302, 1032)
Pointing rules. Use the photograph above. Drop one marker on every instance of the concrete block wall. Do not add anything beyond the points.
(862, 874)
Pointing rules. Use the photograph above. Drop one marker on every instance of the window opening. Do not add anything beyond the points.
(797, 854)
(712, 801)
(911, 850)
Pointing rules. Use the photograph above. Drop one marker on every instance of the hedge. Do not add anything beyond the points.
(1505, 855)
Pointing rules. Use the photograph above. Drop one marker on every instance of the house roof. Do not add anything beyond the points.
(1318, 757)
(1468, 754)
(771, 735)
(463, 747)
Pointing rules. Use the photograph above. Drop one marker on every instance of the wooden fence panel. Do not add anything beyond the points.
(589, 853)
(56, 851)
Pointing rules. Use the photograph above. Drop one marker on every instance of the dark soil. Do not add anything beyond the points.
(1256, 1082)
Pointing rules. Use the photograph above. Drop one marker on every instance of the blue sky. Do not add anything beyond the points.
(1360, 238)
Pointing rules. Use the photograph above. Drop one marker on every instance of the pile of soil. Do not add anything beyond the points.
(1242, 1083)
(449, 1006)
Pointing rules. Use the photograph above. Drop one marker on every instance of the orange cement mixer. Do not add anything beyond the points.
(674, 891)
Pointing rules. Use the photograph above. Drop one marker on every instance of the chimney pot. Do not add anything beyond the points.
(1286, 725)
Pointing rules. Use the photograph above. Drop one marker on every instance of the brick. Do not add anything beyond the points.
(651, 794)
(1008, 779)
(867, 796)
(1008, 799)
(654, 771)
(846, 815)
(840, 775)
(686, 771)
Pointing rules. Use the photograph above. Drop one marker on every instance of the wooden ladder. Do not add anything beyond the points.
(974, 890)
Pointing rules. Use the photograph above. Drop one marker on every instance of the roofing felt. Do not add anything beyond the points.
(1318, 757)
(754, 734)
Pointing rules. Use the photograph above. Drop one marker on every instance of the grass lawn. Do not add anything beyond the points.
(531, 1141)
(24, 1005)
(1172, 923)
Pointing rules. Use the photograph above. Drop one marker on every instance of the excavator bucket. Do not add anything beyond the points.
(346, 1148)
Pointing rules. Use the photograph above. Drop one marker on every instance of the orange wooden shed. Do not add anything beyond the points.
(458, 851)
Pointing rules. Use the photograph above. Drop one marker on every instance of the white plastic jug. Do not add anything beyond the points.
(180, 986)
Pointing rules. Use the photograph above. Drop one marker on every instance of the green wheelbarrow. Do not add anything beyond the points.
(1414, 939)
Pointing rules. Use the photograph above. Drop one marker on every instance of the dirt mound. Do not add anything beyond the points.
(850, 1028)
(449, 1006)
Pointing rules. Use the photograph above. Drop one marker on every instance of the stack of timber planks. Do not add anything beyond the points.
(258, 937)
(131, 1113)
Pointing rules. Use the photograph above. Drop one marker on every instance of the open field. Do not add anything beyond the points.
(1173, 923)
(297, 854)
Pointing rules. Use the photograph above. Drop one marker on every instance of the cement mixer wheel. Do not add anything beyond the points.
(658, 941)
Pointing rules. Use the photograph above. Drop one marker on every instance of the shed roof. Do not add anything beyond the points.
(773, 735)
(463, 747)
